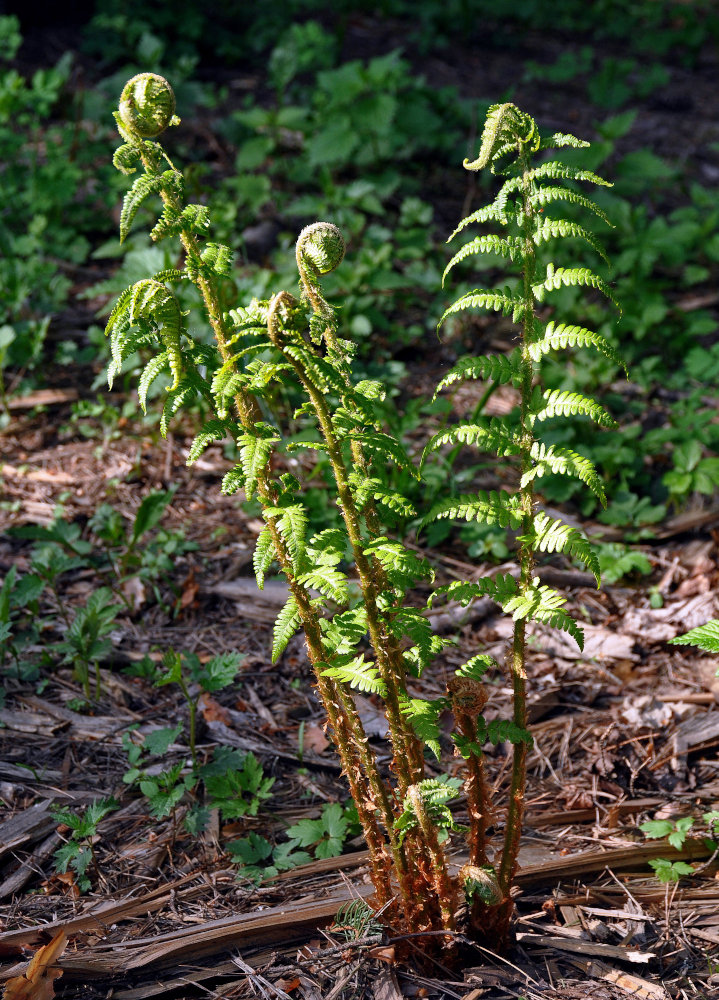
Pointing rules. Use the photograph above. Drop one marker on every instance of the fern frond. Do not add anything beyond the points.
(434, 794)
(213, 430)
(327, 548)
(345, 631)
(371, 389)
(331, 583)
(500, 508)
(561, 403)
(365, 488)
(402, 566)
(188, 388)
(510, 246)
(263, 555)
(144, 186)
(292, 524)
(125, 340)
(476, 667)
(360, 674)
(550, 229)
(563, 461)
(562, 139)
(499, 211)
(705, 636)
(383, 449)
(169, 274)
(506, 128)
(319, 372)
(217, 258)
(192, 219)
(118, 310)
(553, 535)
(500, 588)
(491, 437)
(492, 367)
(154, 367)
(547, 195)
(424, 717)
(286, 624)
(153, 301)
(557, 336)
(502, 731)
(483, 299)
(567, 276)
(126, 158)
(255, 451)
(557, 171)
(411, 623)
(233, 481)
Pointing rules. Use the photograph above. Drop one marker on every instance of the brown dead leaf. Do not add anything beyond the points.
(287, 984)
(212, 711)
(383, 953)
(190, 590)
(63, 882)
(37, 982)
(315, 739)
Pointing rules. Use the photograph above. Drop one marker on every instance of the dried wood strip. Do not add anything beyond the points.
(95, 919)
(37, 475)
(14, 882)
(29, 825)
(28, 722)
(94, 726)
(587, 947)
(280, 923)
(42, 397)
(616, 859)
(564, 816)
(637, 987)
(221, 969)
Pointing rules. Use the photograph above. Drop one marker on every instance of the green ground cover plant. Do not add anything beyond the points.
(351, 585)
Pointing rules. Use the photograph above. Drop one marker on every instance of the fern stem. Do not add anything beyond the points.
(444, 887)
(477, 792)
(515, 810)
(350, 738)
(404, 743)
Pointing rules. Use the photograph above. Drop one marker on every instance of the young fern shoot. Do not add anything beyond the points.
(510, 146)
(255, 348)
(350, 586)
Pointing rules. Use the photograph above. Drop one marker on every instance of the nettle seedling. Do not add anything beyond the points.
(350, 585)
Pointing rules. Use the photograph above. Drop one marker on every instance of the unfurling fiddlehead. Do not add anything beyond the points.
(147, 106)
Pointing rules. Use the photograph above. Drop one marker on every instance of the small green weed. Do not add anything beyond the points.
(78, 852)
(676, 832)
(323, 837)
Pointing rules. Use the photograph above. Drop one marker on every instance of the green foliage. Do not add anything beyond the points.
(706, 637)
(235, 783)
(676, 832)
(86, 642)
(434, 794)
(324, 837)
(617, 561)
(78, 852)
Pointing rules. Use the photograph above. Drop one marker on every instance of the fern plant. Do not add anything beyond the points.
(350, 586)
(510, 146)
(704, 637)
